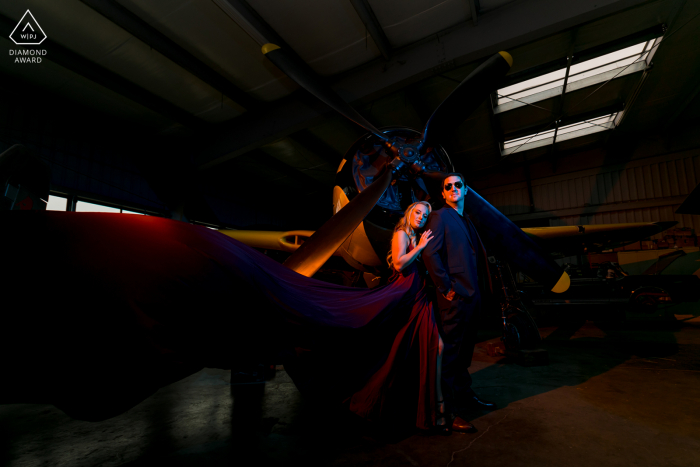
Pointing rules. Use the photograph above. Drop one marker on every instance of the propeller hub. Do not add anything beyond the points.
(417, 168)
(408, 153)
(397, 165)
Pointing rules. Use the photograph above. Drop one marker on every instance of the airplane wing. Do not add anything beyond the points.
(287, 241)
(572, 240)
(563, 240)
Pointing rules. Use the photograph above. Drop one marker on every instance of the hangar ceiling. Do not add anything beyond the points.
(181, 91)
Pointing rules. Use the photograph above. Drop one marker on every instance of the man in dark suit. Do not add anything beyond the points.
(456, 260)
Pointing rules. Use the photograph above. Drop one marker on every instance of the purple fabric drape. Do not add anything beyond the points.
(100, 310)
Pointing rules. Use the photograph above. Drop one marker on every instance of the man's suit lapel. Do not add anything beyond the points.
(456, 218)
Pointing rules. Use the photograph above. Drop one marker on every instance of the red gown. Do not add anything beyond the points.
(100, 310)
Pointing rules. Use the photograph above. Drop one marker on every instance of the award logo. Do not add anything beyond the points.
(28, 33)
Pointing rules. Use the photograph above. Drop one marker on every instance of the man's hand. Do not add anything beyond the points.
(450, 295)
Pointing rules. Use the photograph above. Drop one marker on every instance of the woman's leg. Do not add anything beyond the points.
(440, 417)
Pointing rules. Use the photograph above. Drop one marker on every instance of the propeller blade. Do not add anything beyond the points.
(435, 176)
(304, 76)
(432, 179)
(466, 98)
(325, 241)
(506, 239)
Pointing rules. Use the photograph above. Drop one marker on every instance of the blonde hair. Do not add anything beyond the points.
(405, 225)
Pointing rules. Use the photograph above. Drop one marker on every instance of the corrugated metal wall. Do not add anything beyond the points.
(79, 160)
(643, 190)
(93, 170)
(512, 200)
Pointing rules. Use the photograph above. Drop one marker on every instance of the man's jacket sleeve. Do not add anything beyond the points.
(433, 254)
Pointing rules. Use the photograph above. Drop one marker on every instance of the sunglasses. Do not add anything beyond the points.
(448, 187)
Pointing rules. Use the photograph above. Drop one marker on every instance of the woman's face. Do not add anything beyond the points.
(418, 217)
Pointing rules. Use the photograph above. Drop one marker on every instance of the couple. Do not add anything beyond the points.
(456, 260)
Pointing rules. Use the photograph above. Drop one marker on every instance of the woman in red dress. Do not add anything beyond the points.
(388, 368)
(405, 260)
(416, 346)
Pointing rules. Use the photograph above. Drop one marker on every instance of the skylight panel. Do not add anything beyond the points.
(600, 69)
(531, 86)
(546, 137)
(529, 139)
(611, 61)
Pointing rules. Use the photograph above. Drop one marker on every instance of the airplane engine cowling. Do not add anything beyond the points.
(361, 163)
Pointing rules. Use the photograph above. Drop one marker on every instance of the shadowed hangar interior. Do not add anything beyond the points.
(171, 109)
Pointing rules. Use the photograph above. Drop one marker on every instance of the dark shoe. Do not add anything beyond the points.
(460, 425)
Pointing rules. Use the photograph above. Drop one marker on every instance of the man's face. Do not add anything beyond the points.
(451, 191)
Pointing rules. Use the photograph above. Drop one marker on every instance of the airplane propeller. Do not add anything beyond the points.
(315, 251)
(465, 98)
(404, 157)
(305, 77)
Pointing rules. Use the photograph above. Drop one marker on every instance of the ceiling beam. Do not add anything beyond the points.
(110, 80)
(251, 22)
(505, 28)
(137, 27)
(364, 11)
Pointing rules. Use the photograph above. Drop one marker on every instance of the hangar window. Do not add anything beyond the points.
(574, 130)
(57, 203)
(84, 206)
(60, 203)
(598, 70)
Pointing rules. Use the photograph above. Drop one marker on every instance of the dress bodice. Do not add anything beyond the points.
(411, 269)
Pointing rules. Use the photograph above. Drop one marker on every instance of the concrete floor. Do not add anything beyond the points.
(610, 396)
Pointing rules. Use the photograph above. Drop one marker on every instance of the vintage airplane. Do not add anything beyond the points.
(386, 170)
(156, 299)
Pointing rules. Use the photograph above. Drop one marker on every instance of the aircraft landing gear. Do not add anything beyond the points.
(519, 329)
